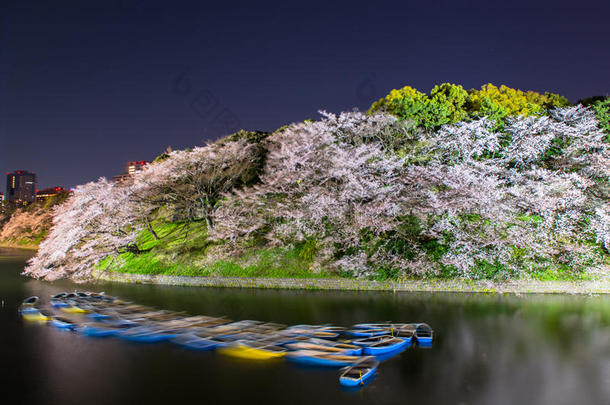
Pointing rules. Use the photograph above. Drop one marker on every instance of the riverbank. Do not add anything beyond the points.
(6, 245)
(599, 286)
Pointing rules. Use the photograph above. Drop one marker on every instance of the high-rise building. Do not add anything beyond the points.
(135, 167)
(21, 187)
(130, 170)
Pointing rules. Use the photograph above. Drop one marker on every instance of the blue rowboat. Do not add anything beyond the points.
(314, 331)
(360, 373)
(326, 346)
(96, 316)
(55, 303)
(370, 340)
(62, 323)
(362, 333)
(423, 334)
(145, 334)
(28, 309)
(321, 359)
(194, 342)
(391, 345)
(372, 326)
(221, 342)
(118, 322)
(406, 332)
(97, 330)
(33, 300)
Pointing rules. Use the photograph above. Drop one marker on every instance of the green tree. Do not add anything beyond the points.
(447, 103)
(407, 104)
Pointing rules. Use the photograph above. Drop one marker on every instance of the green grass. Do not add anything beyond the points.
(183, 250)
(179, 248)
(275, 263)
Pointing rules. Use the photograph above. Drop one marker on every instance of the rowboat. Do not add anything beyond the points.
(35, 316)
(367, 332)
(405, 332)
(57, 303)
(25, 309)
(323, 359)
(345, 345)
(372, 326)
(423, 333)
(360, 373)
(62, 323)
(311, 331)
(146, 334)
(33, 300)
(98, 330)
(118, 322)
(97, 316)
(59, 296)
(336, 349)
(370, 340)
(251, 351)
(194, 342)
(391, 345)
(72, 308)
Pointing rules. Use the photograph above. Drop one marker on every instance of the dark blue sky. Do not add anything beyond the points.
(87, 85)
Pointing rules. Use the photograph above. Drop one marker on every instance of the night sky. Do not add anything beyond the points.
(86, 86)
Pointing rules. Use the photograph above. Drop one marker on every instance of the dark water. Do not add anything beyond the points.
(489, 349)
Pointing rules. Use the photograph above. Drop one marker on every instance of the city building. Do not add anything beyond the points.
(130, 170)
(135, 167)
(21, 187)
(48, 193)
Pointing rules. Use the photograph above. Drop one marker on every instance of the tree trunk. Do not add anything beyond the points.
(151, 230)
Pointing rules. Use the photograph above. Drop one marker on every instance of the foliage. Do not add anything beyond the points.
(190, 183)
(27, 226)
(97, 221)
(449, 103)
(602, 110)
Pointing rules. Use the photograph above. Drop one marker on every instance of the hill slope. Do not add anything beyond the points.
(480, 193)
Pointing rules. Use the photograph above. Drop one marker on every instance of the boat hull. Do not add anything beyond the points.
(317, 361)
(383, 350)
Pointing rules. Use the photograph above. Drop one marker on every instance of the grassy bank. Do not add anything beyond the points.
(184, 250)
(180, 249)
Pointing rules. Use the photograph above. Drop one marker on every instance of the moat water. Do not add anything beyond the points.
(488, 349)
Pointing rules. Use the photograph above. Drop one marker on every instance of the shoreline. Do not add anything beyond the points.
(343, 284)
(17, 246)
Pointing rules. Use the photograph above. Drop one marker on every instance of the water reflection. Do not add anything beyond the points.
(488, 349)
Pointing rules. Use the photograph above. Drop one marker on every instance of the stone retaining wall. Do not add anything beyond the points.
(581, 287)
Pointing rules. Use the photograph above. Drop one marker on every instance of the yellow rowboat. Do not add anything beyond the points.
(74, 310)
(35, 317)
(246, 351)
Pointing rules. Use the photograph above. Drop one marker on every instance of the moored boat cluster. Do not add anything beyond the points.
(357, 350)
